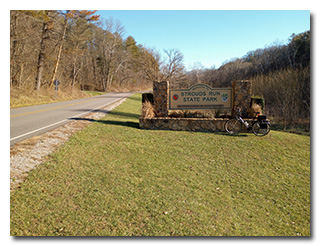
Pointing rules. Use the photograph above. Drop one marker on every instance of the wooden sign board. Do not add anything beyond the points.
(200, 96)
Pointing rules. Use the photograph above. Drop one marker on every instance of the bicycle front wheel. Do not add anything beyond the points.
(233, 126)
(261, 129)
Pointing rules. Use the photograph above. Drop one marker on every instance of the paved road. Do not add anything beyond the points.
(35, 120)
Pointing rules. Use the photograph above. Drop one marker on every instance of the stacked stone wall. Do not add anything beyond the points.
(186, 124)
(160, 96)
(242, 92)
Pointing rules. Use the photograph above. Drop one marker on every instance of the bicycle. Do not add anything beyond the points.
(260, 126)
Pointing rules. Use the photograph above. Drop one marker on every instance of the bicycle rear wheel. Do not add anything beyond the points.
(261, 128)
(233, 126)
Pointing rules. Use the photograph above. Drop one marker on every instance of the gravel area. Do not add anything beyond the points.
(31, 152)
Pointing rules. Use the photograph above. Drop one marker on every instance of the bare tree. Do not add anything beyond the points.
(197, 73)
(46, 26)
(78, 25)
(173, 63)
(60, 49)
(111, 51)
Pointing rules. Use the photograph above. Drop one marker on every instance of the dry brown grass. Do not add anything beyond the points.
(29, 97)
(255, 108)
(207, 113)
(147, 110)
(23, 97)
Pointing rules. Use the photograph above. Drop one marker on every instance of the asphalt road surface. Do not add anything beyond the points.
(30, 121)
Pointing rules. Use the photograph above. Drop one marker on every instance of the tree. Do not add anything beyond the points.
(133, 53)
(59, 52)
(69, 16)
(173, 68)
(44, 16)
(150, 62)
(111, 52)
(299, 49)
(197, 73)
(16, 50)
(25, 35)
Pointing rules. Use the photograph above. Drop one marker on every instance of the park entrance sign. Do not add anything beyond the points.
(200, 96)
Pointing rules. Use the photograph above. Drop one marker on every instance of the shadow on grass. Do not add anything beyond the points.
(111, 122)
(232, 135)
(136, 124)
(134, 99)
(124, 114)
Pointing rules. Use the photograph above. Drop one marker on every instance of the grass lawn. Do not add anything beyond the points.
(113, 179)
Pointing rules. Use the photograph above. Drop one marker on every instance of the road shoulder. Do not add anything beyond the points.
(26, 155)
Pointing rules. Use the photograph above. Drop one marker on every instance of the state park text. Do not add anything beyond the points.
(200, 97)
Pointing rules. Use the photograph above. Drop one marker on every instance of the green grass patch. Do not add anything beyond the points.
(114, 179)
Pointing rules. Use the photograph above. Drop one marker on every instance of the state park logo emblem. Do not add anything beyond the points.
(175, 97)
(225, 97)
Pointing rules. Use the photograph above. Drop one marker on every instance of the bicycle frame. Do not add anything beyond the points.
(259, 125)
(254, 120)
(239, 118)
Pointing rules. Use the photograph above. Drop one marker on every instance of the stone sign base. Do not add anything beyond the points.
(241, 98)
(186, 124)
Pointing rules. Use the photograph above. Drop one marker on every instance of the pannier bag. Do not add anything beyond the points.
(262, 117)
(263, 124)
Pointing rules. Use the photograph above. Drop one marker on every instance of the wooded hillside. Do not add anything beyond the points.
(78, 50)
(280, 73)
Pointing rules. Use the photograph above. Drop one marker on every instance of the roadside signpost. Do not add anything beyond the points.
(56, 83)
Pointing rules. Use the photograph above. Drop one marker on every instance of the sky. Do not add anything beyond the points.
(210, 37)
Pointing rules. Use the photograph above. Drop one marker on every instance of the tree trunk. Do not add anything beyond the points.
(106, 80)
(75, 73)
(59, 53)
(74, 67)
(44, 36)
(13, 61)
(20, 77)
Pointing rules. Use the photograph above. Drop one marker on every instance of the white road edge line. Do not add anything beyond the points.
(59, 122)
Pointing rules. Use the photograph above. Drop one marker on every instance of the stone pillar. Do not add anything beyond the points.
(160, 96)
(242, 91)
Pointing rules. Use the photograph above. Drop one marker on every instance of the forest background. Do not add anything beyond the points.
(85, 52)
